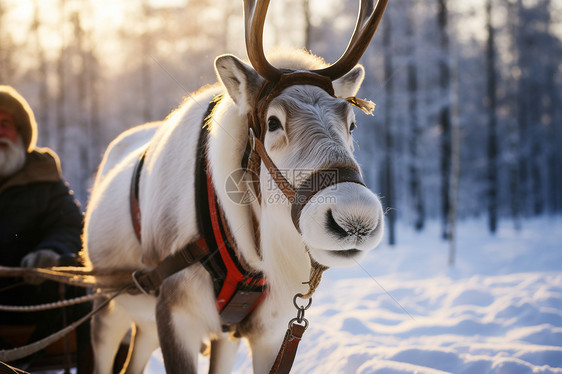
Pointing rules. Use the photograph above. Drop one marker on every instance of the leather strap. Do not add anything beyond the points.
(318, 181)
(238, 288)
(257, 121)
(270, 90)
(288, 351)
(134, 195)
(149, 282)
(277, 176)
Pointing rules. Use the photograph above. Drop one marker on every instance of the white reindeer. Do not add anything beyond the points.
(305, 129)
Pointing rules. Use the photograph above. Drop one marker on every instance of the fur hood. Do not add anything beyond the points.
(41, 165)
(12, 102)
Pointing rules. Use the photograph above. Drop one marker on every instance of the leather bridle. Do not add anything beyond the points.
(316, 181)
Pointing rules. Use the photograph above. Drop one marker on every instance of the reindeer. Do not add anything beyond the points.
(284, 126)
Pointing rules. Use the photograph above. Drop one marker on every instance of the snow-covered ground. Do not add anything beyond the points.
(403, 310)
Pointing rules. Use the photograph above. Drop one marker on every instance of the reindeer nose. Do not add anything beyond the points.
(349, 226)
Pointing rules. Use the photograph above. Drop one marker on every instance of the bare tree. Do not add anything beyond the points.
(42, 110)
(491, 101)
(455, 157)
(7, 48)
(93, 78)
(81, 80)
(146, 62)
(61, 84)
(552, 112)
(416, 132)
(388, 167)
(514, 142)
(444, 115)
(307, 24)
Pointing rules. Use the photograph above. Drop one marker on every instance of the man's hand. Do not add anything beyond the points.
(42, 258)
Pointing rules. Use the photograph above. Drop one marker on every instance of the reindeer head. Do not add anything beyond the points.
(301, 123)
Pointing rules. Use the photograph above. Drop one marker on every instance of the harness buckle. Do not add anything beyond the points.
(142, 283)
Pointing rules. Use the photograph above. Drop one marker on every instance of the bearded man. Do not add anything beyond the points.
(40, 221)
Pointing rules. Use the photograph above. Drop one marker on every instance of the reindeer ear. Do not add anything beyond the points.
(349, 84)
(240, 80)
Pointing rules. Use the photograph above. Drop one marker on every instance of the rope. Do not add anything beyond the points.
(21, 352)
(74, 276)
(114, 281)
(316, 272)
(54, 305)
(7, 369)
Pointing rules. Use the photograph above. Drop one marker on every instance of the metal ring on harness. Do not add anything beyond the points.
(301, 296)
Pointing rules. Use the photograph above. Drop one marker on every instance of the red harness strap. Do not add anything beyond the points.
(241, 291)
(238, 289)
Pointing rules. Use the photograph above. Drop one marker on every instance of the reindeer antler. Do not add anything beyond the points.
(367, 22)
(364, 30)
(254, 14)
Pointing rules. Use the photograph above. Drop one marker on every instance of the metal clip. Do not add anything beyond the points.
(252, 139)
(136, 275)
(300, 312)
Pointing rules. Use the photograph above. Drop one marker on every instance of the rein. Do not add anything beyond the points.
(115, 283)
(21, 352)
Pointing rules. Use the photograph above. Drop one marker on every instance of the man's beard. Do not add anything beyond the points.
(12, 158)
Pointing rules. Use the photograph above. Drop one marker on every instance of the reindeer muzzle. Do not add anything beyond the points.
(319, 181)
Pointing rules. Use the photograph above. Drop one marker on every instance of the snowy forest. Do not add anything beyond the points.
(468, 93)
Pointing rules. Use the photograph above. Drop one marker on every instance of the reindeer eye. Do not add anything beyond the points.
(273, 123)
(352, 126)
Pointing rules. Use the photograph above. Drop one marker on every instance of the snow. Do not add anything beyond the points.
(403, 310)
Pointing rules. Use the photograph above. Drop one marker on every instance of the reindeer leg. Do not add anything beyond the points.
(223, 354)
(265, 346)
(145, 341)
(180, 337)
(180, 340)
(109, 326)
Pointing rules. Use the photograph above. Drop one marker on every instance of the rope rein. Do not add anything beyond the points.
(56, 304)
(114, 284)
(21, 352)
(74, 276)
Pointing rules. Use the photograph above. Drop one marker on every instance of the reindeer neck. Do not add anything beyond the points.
(285, 260)
(280, 254)
(226, 144)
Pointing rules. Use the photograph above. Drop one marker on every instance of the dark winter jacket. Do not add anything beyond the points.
(37, 211)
